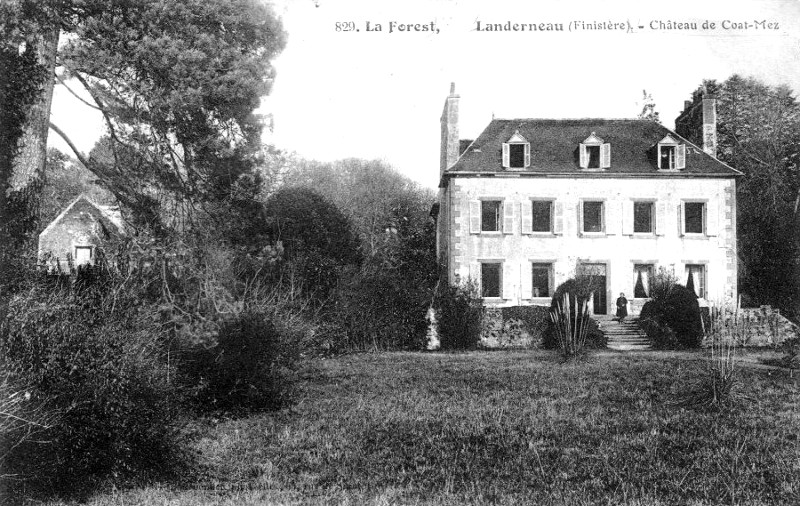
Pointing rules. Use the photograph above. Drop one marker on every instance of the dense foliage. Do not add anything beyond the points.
(247, 369)
(97, 358)
(459, 311)
(672, 320)
(177, 82)
(758, 129)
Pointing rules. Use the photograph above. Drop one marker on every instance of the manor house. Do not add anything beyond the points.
(531, 203)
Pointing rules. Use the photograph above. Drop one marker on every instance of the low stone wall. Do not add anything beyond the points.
(514, 327)
(760, 326)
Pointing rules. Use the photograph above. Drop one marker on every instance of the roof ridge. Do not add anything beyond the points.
(585, 118)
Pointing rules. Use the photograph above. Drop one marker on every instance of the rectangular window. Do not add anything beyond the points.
(643, 217)
(696, 279)
(83, 255)
(490, 279)
(642, 276)
(667, 157)
(541, 280)
(490, 215)
(693, 217)
(593, 157)
(593, 216)
(542, 219)
(516, 156)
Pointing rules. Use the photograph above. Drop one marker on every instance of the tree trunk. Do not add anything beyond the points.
(29, 163)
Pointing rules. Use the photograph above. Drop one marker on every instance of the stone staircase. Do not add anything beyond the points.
(625, 336)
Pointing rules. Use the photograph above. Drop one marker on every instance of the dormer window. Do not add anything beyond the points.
(671, 154)
(594, 153)
(516, 152)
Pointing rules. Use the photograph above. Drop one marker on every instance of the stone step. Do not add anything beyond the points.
(630, 348)
(625, 336)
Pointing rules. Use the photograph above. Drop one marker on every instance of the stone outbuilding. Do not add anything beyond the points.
(78, 234)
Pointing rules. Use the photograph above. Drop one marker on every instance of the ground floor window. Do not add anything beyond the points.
(642, 275)
(541, 279)
(490, 279)
(696, 279)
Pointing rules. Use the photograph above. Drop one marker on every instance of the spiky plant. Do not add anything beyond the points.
(571, 325)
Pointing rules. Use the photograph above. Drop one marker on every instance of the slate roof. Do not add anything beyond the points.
(554, 149)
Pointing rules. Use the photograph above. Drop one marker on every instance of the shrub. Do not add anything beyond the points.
(791, 353)
(580, 290)
(535, 320)
(672, 319)
(720, 388)
(460, 315)
(661, 336)
(23, 419)
(246, 369)
(118, 411)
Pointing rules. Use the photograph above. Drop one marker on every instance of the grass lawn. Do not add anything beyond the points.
(501, 428)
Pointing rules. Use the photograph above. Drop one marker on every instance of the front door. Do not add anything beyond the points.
(596, 275)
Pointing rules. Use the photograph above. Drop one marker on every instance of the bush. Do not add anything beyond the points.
(673, 320)
(246, 369)
(107, 380)
(460, 315)
(579, 290)
(720, 388)
(791, 352)
(378, 311)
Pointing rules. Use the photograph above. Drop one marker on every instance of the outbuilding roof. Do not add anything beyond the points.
(554, 149)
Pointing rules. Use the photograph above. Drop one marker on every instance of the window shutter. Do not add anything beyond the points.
(508, 283)
(506, 155)
(508, 217)
(658, 156)
(712, 218)
(605, 156)
(661, 218)
(584, 159)
(612, 216)
(474, 216)
(475, 274)
(527, 155)
(558, 219)
(680, 155)
(681, 223)
(526, 216)
(526, 280)
(627, 217)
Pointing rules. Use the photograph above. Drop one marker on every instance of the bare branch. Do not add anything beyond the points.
(74, 94)
(84, 161)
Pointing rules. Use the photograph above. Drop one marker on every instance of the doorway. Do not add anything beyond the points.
(596, 275)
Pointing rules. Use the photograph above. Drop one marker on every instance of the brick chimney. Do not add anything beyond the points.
(710, 126)
(449, 121)
(698, 121)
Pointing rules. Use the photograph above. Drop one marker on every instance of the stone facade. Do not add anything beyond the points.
(618, 251)
(554, 169)
(78, 234)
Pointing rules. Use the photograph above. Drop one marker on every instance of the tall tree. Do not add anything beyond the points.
(21, 81)
(374, 196)
(758, 133)
(176, 81)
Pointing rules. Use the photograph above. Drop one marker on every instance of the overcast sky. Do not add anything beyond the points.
(380, 95)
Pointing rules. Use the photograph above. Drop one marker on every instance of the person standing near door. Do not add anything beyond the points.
(622, 307)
